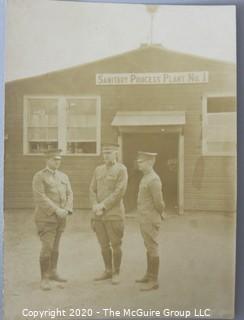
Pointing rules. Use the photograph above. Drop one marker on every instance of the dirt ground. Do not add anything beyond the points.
(197, 267)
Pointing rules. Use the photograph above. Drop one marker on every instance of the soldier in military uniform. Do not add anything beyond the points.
(107, 189)
(150, 206)
(53, 202)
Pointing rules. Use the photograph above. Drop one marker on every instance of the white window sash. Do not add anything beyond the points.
(205, 131)
(62, 128)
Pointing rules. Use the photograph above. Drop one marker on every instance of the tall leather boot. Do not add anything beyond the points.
(45, 266)
(53, 268)
(152, 283)
(117, 256)
(107, 258)
(145, 279)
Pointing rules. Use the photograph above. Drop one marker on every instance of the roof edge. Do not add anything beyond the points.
(143, 47)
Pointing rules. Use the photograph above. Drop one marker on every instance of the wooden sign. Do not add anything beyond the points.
(117, 79)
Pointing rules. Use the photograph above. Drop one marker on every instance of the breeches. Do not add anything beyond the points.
(50, 234)
(150, 234)
(109, 233)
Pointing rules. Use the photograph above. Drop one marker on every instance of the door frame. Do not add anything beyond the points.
(173, 129)
(180, 184)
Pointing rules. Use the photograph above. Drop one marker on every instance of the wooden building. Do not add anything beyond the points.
(179, 105)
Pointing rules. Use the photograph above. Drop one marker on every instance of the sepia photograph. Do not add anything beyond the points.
(119, 161)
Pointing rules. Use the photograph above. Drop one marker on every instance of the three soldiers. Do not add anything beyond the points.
(53, 202)
(107, 189)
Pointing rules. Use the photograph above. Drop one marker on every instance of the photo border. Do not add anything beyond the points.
(240, 132)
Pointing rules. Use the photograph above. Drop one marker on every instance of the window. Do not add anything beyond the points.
(219, 126)
(69, 123)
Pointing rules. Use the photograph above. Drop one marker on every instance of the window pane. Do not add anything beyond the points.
(42, 112)
(42, 124)
(221, 104)
(222, 119)
(221, 147)
(40, 147)
(81, 125)
(42, 134)
(220, 125)
(81, 113)
(82, 134)
(81, 147)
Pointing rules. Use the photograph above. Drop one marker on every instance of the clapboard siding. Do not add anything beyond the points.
(209, 181)
(210, 205)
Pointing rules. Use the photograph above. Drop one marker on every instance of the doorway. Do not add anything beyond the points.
(166, 145)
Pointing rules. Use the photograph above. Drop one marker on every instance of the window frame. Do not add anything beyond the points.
(204, 141)
(62, 138)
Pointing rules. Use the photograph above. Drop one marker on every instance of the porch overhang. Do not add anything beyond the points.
(149, 121)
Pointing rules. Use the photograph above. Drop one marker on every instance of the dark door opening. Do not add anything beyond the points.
(166, 166)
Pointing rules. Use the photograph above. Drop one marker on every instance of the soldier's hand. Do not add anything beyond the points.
(61, 213)
(98, 209)
(163, 215)
(99, 212)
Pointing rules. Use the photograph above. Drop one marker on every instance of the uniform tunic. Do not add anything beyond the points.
(150, 205)
(108, 187)
(51, 190)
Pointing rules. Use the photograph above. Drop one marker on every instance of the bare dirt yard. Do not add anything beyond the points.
(196, 272)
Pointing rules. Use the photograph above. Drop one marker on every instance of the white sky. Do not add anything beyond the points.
(46, 35)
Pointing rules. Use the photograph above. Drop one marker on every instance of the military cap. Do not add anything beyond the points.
(142, 156)
(53, 153)
(109, 147)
